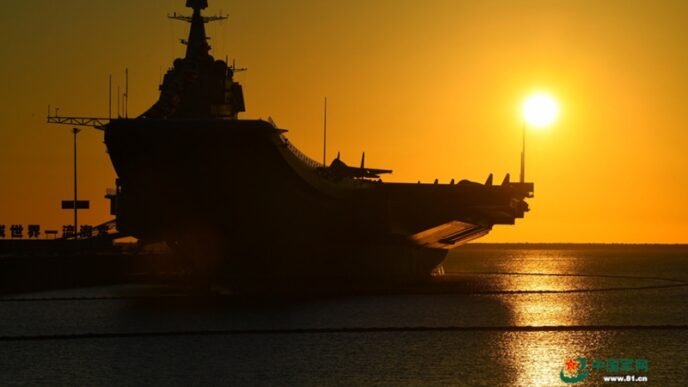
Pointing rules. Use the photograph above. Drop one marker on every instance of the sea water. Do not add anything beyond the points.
(517, 315)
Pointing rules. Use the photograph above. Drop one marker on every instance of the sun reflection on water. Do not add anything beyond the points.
(542, 309)
(583, 302)
(544, 278)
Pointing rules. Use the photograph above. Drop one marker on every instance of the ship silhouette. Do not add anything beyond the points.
(248, 210)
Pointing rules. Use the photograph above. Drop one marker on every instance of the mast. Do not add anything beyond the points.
(325, 135)
(197, 45)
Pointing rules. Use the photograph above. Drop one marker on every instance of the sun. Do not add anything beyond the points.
(540, 110)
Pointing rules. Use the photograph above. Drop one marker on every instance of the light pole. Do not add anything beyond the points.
(539, 111)
(76, 211)
(523, 155)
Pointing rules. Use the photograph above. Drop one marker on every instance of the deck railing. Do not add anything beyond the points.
(300, 155)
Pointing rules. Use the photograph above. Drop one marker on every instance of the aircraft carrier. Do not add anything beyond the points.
(250, 211)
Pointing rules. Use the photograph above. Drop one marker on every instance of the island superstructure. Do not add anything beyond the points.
(248, 210)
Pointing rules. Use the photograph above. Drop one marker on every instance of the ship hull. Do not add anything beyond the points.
(246, 208)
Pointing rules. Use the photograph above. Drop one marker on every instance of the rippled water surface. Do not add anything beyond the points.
(503, 316)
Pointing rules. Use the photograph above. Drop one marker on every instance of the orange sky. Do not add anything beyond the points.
(431, 89)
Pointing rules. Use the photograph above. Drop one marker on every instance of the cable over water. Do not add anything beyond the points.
(431, 288)
(343, 330)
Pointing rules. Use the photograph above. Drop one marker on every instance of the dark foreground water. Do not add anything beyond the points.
(512, 316)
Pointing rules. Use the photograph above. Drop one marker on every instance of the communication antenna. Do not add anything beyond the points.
(110, 98)
(325, 134)
(234, 68)
(126, 93)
